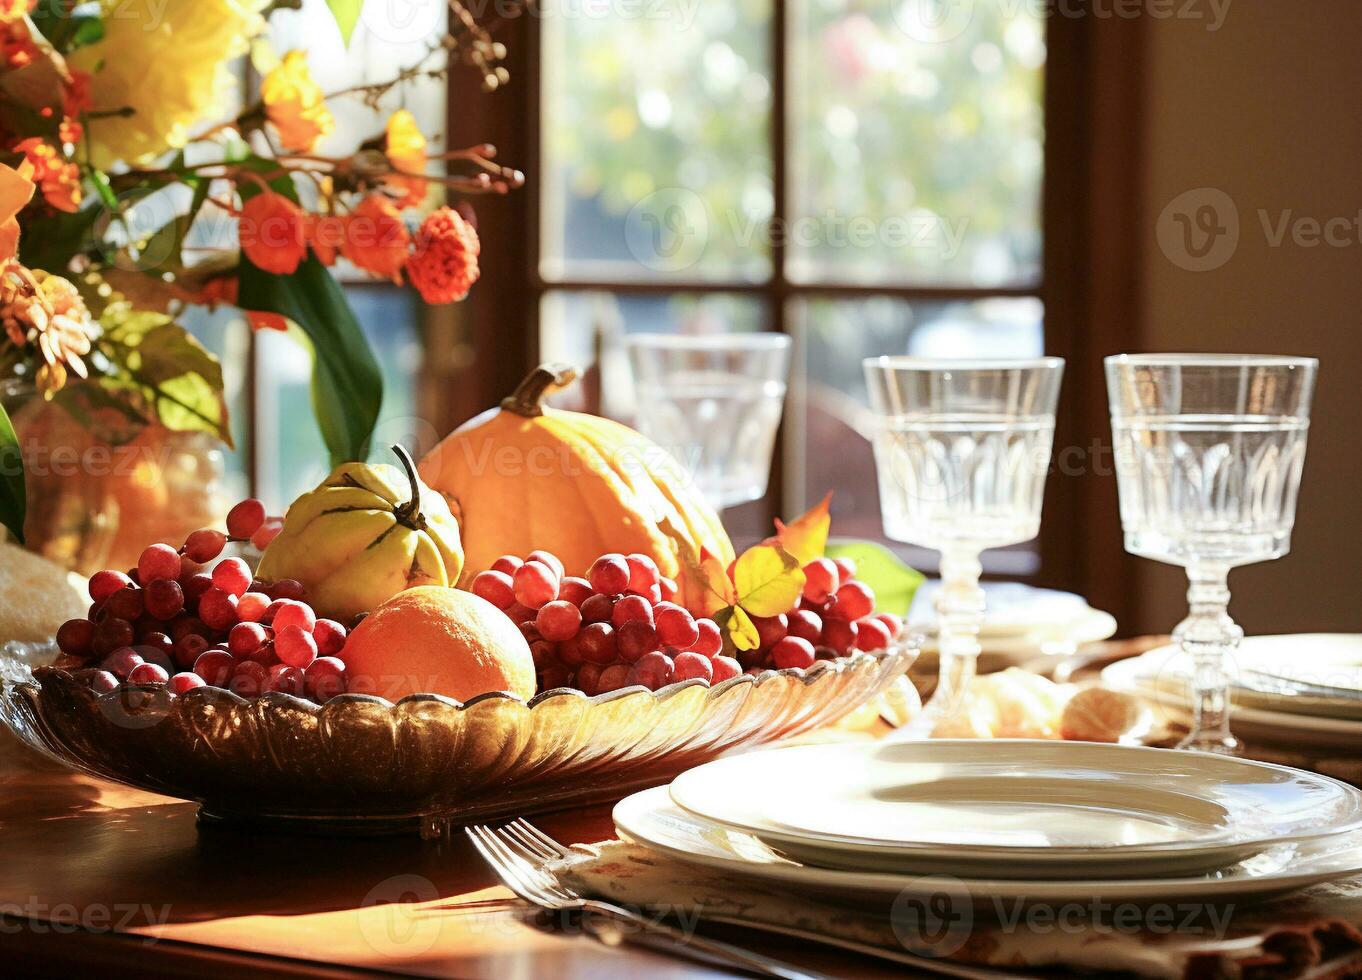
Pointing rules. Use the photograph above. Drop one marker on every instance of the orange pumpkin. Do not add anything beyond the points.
(525, 476)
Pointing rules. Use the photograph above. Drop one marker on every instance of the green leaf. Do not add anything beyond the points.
(13, 502)
(739, 626)
(88, 30)
(347, 386)
(768, 579)
(346, 13)
(893, 582)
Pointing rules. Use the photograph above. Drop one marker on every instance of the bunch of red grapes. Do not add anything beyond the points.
(618, 626)
(173, 621)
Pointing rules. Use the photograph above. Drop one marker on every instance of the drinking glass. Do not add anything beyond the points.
(1209, 450)
(961, 452)
(714, 401)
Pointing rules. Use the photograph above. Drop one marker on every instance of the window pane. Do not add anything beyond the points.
(656, 157)
(827, 417)
(917, 141)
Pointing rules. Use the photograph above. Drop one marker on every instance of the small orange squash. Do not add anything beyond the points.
(525, 476)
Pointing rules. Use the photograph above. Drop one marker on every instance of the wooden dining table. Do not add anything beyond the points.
(99, 880)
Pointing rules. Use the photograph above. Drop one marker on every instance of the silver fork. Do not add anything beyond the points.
(521, 867)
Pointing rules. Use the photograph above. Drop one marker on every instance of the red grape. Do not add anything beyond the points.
(217, 609)
(632, 607)
(598, 609)
(517, 613)
(846, 569)
(609, 574)
(204, 545)
(158, 561)
(821, 580)
(146, 673)
(250, 608)
(675, 626)
(182, 626)
(245, 639)
(725, 668)
(892, 623)
(291, 612)
(597, 643)
(324, 678)
(643, 573)
(569, 652)
(245, 518)
(185, 681)
(216, 667)
(711, 639)
(110, 634)
(535, 584)
(106, 583)
(248, 678)
(195, 586)
(668, 588)
(792, 652)
(613, 678)
(634, 638)
(575, 590)
(854, 601)
(158, 641)
(75, 636)
(689, 665)
(266, 532)
(546, 558)
(588, 676)
(544, 654)
(233, 576)
(552, 677)
(529, 631)
(330, 636)
(806, 624)
(823, 652)
(121, 662)
(871, 634)
(652, 670)
(126, 603)
(188, 650)
(164, 599)
(495, 587)
(507, 564)
(294, 646)
(287, 588)
(284, 679)
(839, 634)
(771, 629)
(558, 620)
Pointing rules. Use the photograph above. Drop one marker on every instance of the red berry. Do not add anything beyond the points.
(122, 662)
(233, 576)
(187, 651)
(99, 681)
(634, 638)
(535, 584)
(216, 667)
(106, 583)
(552, 677)
(588, 677)
(266, 532)
(597, 643)
(854, 601)
(643, 574)
(507, 564)
(248, 679)
(821, 580)
(111, 633)
(653, 670)
(291, 612)
(184, 682)
(692, 665)
(126, 603)
(575, 590)
(675, 626)
(598, 609)
(75, 636)
(285, 679)
(668, 588)
(613, 678)
(195, 586)
(495, 587)
(245, 518)
(182, 626)
(287, 588)
(892, 623)
(324, 678)
(609, 574)
(529, 631)
(545, 558)
(558, 620)
(711, 639)
(217, 609)
(725, 668)
(158, 561)
(330, 636)
(544, 654)
(792, 652)
(771, 629)
(157, 641)
(204, 545)
(569, 652)
(839, 634)
(145, 673)
(806, 624)
(871, 634)
(846, 569)
(164, 599)
(245, 639)
(294, 646)
(250, 608)
(632, 607)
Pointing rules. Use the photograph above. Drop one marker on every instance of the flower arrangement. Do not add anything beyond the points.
(105, 105)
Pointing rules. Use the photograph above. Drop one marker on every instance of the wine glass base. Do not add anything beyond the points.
(1214, 742)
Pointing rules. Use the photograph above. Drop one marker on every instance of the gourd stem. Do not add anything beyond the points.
(409, 514)
(543, 381)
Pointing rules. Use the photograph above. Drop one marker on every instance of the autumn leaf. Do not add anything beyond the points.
(806, 537)
(739, 626)
(719, 589)
(768, 580)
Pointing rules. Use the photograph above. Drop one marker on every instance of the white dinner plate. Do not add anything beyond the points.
(1015, 808)
(651, 819)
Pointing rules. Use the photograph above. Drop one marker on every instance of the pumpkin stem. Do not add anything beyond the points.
(409, 514)
(538, 384)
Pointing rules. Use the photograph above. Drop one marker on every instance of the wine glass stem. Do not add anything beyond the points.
(1209, 636)
(960, 608)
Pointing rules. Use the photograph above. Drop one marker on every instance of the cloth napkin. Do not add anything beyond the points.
(1314, 934)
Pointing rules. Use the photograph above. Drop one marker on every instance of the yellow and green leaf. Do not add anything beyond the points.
(735, 621)
(768, 580)
(806, 537)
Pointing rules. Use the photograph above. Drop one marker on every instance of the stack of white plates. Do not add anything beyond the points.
(1301, 690)
(1040, 821)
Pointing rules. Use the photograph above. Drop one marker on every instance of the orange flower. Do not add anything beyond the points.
(325, 233)
(405, 147)
(16, 190)
(295, 105)
(445, 264)
(375, 238)
(217, 291)
(271, 231)
(57, 176)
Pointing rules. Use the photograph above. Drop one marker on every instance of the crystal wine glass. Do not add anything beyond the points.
(1209, 450)
(961, 452)
(714, 401)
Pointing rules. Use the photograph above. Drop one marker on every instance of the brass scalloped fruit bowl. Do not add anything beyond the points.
(361, 763)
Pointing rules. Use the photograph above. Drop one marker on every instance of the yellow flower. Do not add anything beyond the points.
(168, 63)
(405, 147)
(295, 105)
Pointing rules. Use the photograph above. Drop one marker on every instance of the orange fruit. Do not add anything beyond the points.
(437, 640)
